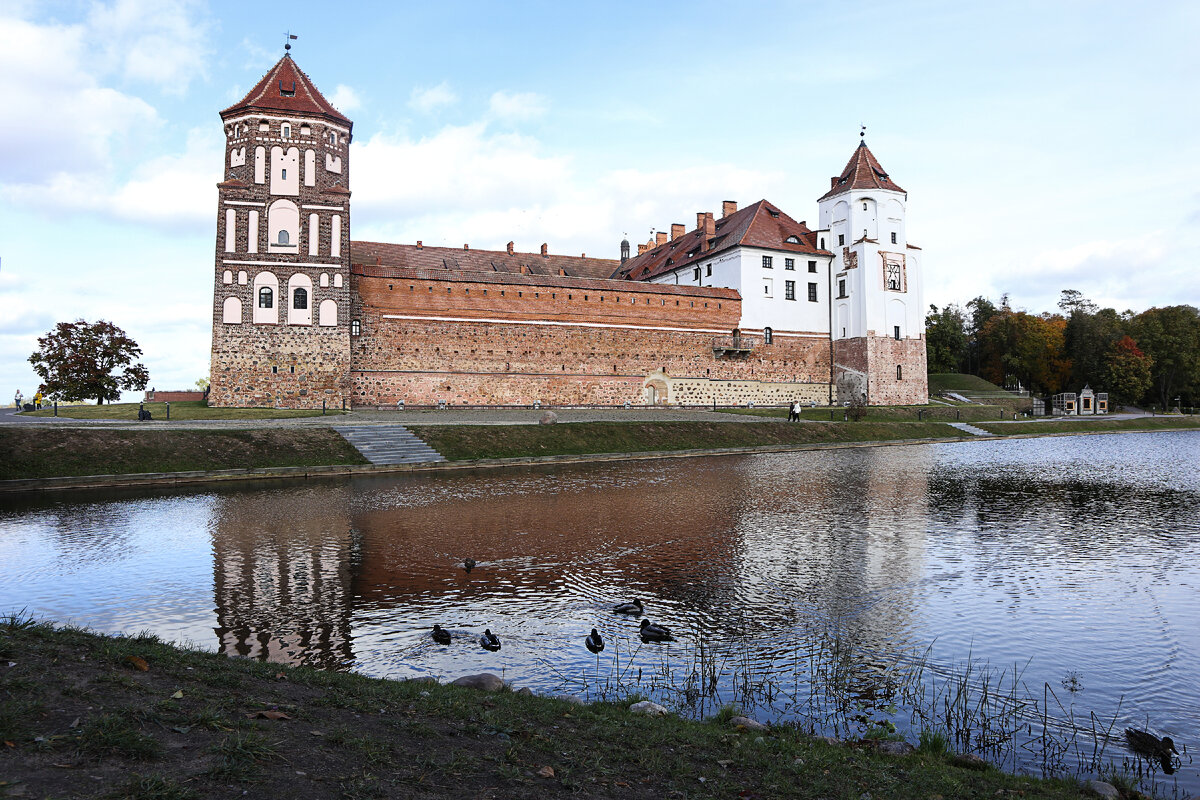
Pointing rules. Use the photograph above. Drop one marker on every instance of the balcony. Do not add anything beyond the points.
(733, 346)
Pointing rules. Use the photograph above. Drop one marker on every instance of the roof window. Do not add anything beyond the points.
(287, 92)
(772, 212)
(792, 240)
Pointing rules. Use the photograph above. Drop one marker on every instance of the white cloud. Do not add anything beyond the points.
(517, 106)
(468, 184)
(345, 99)
(174, 191)
(58, 119)
(429, 99)
(151, 41)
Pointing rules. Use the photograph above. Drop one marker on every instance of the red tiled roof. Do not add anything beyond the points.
(862, 172)
(760, 224)
(233, 183)
(517, 279)
(442, 258)
(302, 95)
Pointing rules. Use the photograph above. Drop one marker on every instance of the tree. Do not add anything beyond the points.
(1128, 371)
(80, 360)
(1014, 344)
(945, 339)
(1171, 337)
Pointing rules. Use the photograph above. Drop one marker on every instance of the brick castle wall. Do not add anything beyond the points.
(520, 339)
(874, 359)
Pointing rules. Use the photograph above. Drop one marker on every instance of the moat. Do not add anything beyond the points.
(845, 591)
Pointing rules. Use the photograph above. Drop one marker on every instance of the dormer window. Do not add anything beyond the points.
(792, 240)
(287, 92)
(286, 131)
(773, 212)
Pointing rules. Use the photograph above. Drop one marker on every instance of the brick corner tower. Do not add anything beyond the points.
(281, 282)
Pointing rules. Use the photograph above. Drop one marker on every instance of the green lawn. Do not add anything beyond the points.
(464, 442)
(955, 413)
(183, 410)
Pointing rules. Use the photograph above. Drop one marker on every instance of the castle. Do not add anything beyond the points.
(751, 307)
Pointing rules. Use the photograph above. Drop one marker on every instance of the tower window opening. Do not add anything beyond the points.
(768, 336)
(283, 174)
(896, 332)
(286, 131)
(266, 297)
(300, 299)
(893, 237)
(355, 327)
(841, 240)
(284, 238)
(899, 372)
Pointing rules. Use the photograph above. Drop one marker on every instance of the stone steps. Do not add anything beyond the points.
(388, 444)
(971, 429)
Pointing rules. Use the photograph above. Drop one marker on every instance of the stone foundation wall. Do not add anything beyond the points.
(280, 366)
(873, 360)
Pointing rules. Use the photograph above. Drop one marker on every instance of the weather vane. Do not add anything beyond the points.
(287, 42)
(862, 134)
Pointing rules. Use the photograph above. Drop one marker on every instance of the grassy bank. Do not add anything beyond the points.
(956, 413)
(458, 442)
(183, 410)
(89, 716)
(1093, 425)
(45, 452)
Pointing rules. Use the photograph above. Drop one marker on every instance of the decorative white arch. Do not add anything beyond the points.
(283, 227)
(327, 314)
(231, 311)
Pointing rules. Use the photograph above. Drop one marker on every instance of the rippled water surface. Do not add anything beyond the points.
(1075, 559)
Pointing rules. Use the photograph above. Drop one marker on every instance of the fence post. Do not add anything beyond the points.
(958, 413)
(168, 410)
(56, 408)
(322, 407)
(919, 412)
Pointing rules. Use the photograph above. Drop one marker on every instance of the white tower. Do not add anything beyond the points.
(878, 321)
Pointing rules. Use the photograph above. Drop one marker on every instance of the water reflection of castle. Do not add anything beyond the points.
(293, 565)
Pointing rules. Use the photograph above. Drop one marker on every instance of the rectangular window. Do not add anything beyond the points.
(842, 287)
(696, 273)
(789, 290)
(812, 293)
(896, 330)
(766, 262)
(841, 239)
(789, 263)
(708, 270)
(766, 288)
(893, 237)
(812, 266)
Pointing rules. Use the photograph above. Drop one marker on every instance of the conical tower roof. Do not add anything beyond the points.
(862, 171)
(285, 88)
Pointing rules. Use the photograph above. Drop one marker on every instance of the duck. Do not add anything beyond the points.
(655, 633)
(1150, 747)
(632, 607)
(440, 635)
(489, 641)
(468, 564)
(594, 642)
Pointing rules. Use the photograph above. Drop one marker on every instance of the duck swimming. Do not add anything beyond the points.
(1150, 747)
(655, 633)
(489, 641)
(440, 635)
(594, 642)
(632, 607)
(468, 564)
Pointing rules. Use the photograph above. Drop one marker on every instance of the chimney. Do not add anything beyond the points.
(833, 182)
(419, 245)
(728, 208)
(510, 248)
(676, 230)
(378, 261)
(710, 225)
(660, 238)
(699, 220)
(545, 250)
(466, 247)
(641, 248)
(583, 255)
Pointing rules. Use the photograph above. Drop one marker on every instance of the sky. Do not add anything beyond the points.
(1043, 145)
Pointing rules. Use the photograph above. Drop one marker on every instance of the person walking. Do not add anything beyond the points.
(17, 398)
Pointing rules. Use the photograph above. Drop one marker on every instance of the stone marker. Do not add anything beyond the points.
(747, 723)
(1101, 788)
(549, 418)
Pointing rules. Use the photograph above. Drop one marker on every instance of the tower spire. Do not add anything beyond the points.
(862, 136)
(288, 38)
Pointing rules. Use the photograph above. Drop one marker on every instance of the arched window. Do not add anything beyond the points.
(355, 327)
(768, 336)
(300, 290)
(899, 372)
(227, 277)
(266, 311)
(283, 226)
(283, 237)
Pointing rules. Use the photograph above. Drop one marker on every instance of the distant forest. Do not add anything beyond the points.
(1150, 358)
